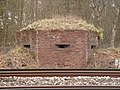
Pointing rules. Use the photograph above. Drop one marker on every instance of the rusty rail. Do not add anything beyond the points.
(60, 72)
(62, 88)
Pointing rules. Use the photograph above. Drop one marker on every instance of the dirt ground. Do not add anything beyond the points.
(18, 58)
(104, 58)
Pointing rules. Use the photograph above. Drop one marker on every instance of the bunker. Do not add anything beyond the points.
(59, 43)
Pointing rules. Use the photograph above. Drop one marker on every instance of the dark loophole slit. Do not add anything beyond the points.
(26, 46)
(93, 46)
(62, 45)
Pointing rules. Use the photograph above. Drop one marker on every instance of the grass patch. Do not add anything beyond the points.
(68, 23)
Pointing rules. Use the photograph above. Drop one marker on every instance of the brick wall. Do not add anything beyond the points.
(57, 48)
(52, 56)
(27, 38)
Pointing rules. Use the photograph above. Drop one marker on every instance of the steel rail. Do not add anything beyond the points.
(62, 87)
(60, 72)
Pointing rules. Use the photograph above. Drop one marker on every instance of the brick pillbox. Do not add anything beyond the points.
(59, 43)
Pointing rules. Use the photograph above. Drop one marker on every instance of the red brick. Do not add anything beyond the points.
(43, 45)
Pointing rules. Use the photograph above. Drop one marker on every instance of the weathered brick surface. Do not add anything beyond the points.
(27, 38)
(93, 38)
(50, 56)
(43, 44)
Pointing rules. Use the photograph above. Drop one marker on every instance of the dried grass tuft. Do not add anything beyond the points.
(18, 58)
(104, 58)
(62, 23)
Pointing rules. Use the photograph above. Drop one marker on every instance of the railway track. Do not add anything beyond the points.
(62, 88)
(59, 72)
(113, 73)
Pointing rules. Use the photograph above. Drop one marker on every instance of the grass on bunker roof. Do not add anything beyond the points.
(62, 23)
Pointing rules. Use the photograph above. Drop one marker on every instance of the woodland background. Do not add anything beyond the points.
(16, 14)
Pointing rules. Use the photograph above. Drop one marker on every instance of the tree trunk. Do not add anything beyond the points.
(36, 10)
(113, 36)
(5, 26)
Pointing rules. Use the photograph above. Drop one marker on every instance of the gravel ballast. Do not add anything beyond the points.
(80, 80)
